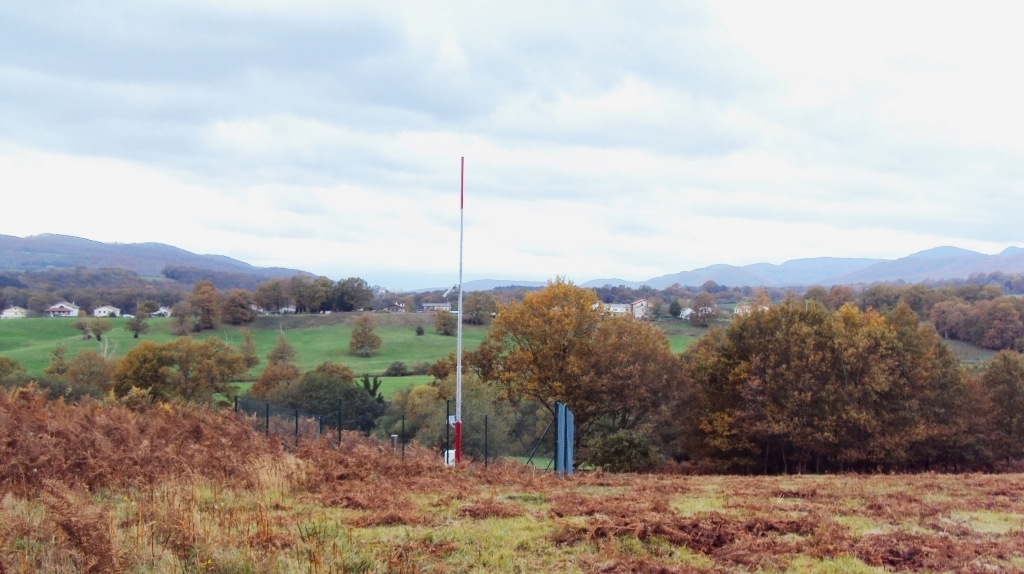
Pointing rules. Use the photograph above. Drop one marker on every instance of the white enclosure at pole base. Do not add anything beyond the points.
(449, 457)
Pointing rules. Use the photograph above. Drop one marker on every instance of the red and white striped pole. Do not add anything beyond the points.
(458, 336)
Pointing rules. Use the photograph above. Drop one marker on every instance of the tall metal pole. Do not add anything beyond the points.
(458, 330)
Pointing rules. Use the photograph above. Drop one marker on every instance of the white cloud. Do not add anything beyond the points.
(600, 141)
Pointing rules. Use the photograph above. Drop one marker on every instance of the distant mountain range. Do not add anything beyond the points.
(49, 250)
(935, 264)
(149, 259)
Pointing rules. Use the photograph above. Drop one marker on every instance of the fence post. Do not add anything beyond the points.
(339, 421)
(296, 427)
(485, 441)
(236, 404)
(447, 414)
(320, 432)
(403, 438)
(268, 419)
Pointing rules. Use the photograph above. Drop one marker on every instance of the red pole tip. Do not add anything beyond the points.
(458, 442)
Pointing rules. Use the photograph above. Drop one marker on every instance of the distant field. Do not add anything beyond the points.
(317, 338)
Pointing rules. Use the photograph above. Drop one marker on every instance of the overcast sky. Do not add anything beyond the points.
(601, 139)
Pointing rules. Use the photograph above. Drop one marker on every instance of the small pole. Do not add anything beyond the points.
(403, 437)
(485, 441)
(296, 427)
(339, 422)
(447, 413)
(320, 419)
(268, 419)
(236, 403)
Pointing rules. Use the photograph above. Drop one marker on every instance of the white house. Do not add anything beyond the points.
(63, 309)
(639, 308)
(161, 312)
(106, 311)
(14, 312)
(685, 313)
(396, 307)
(741, 310)
(434, 307)
(613, 309)
(287, 310)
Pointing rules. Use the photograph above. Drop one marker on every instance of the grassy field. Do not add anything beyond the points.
(317, 338)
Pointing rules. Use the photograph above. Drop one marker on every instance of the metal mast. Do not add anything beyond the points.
(458, 329)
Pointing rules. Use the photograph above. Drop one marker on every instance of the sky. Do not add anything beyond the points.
(602, 139)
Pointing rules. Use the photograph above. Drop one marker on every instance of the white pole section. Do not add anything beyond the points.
(458, 329)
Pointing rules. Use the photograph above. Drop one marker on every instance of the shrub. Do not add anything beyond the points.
(419, 330)
(397, 369)
(623, 451)
(419, 368)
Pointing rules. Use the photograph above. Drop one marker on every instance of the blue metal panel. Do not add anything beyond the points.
(570, 437)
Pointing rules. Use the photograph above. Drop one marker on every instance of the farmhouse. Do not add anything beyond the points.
(639, 309)
(14, 312)
(63, 309)
(161, 312)
(396, 307)
(433, 307)
(106, 311)
(741, 310)
(685, 313)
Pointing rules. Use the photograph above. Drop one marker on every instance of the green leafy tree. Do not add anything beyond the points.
(137, 325)
(479, 307)
(675, 308)
(1004, 382)
(352, 294)
(323, 389)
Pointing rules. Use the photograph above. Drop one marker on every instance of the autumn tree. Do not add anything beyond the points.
(838, 296)
(137, 325)
(299, 289)
(364, 342)
(201, 368)
(9, 366)
(445, 323)
(58, 366)
(283, 351)
(704, 309)
(816, 293)
(1004, 382)
(88, 369)
(248, 349)
(237, 307)
(181, 323)
(146, 307)
(205, 305)
(272, 295)
(100, 327)
(143, 367)
(280, 369)
(479, 307)
(319, 294)
(545, 342)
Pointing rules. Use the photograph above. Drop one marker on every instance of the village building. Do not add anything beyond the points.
(640, 309)
(685, 313)
(434, 307)
(62, 309)
(161, 312)
(14, 312)
(106, 311)
(396, 307)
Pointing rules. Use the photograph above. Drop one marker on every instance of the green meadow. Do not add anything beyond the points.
(316, 338)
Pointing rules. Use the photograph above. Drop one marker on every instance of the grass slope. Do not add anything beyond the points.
(317, 338)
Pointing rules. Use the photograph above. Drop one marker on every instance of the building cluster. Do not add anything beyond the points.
(65, 309)
(639, 309)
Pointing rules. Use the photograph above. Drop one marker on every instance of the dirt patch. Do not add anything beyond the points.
(490, 508)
